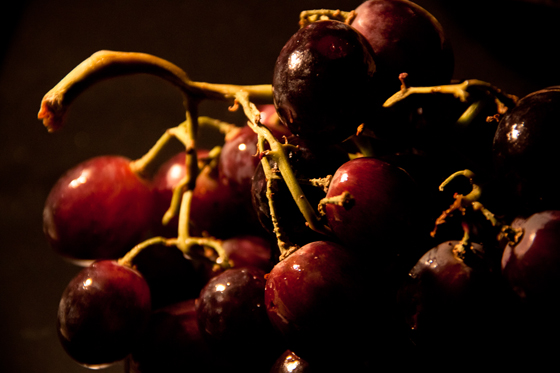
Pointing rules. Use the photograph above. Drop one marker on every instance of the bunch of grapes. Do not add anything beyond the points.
(371, 211)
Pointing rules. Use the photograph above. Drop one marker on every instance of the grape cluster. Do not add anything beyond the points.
(372, 211)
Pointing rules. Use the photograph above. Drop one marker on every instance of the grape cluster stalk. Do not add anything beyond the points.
(371, 211)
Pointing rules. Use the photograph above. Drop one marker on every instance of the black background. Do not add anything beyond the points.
(512, 44)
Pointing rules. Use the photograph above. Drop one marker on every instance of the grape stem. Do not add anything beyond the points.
(460, 91)
(344, 199)
(323, 182)
(461, 201)
(460, 250)
(512, 235)
(309, 16)
(278, 154)
(179, 189)
(105, 64)
(128, 258)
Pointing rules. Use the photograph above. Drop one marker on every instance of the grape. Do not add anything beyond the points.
(99, 209)
(102, 311)
(531, 265)
(525, 147)
(232, 317)
(455, 301)
(384, 200)
(315, 297)
(405, 38)
(531, 268)
(323, 81)
(381, 291)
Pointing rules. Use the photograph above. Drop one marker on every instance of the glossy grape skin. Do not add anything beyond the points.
(99, 209)
(384, 204)
(532, 269)
(323, 81)
(102, 311)
(532, 266)
(315, 298)
(405, 38)
(451, 303)
(525, 150)
(232, 317)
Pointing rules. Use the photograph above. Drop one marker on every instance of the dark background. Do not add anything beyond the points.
(512, 44)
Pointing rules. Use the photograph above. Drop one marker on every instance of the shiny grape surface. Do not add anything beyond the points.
(102, 312)
(363, 282)
(405, 38)
(97, 210)
(323, 81)
(525, 148)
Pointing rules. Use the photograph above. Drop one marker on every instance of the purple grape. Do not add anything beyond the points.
(323, 81)
(102, 312)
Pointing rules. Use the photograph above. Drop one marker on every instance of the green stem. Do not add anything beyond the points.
(175, 204)
(129, 257)
(460, 250)
(109, 64)
(474, 194)
(309, 16)
(228, 129)
(364, 145)
(460, 91)
(140, 165)
(183, 229)
(103, 65)
(215, 244)
(277, 154)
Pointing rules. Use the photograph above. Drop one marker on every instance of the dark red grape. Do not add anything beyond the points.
(232, 317)
(524, 150)
(317, 298)
(323, 81)
(405, 38)
(532, 269)
(99, 209)
(383, 207)
(102, 312)
(532, 265)
(454, 301)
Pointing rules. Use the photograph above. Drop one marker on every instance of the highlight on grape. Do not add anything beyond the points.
(370, 213)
